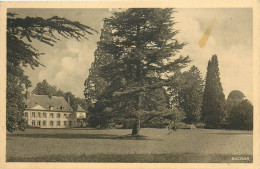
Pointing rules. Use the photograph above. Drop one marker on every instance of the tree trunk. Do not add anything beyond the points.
(135, 129)
(139, 124)
(136, 126)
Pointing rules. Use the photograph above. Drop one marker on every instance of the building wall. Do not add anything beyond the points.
(81, 115)
(81, 119)
(48, 119)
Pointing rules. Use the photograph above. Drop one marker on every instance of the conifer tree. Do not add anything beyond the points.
(214, 106)
(142, 45)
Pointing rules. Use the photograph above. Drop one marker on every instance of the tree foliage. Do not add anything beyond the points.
(136, 49)
(214, 106)
(21, 32)
(44, 88)
(187, 93)
(234, 98)
(95, 84)
(175, 115)
(241, 116)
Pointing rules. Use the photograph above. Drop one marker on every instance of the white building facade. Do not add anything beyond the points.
(43, 111)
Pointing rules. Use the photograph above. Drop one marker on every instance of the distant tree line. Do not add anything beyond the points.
(44, 88)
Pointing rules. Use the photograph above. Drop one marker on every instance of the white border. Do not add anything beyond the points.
(137, 4)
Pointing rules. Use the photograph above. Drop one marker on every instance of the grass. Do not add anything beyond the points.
(136, 158)
(153, 145)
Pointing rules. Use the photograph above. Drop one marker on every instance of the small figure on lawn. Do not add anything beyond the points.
(171, 127)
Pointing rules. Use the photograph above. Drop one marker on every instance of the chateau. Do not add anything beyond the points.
(45, 111)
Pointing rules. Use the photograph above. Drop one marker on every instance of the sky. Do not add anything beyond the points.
(229, 35)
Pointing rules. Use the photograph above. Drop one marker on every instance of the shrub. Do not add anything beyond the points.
(180, 125)
(241, 116)
(200, 125)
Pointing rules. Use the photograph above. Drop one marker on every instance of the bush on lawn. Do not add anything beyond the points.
(241, 116)
(200, 125)
(180, 125)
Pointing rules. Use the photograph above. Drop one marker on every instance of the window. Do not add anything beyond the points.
(44, 115)
(58, 115)
(70, 123)
(58, 123)
(26, 114)
(65, 123)
(44, 123)
(64, 115)
(51, 115)
(33, 114)
(38, 123)
(51, 123)
(51, 107)
(33, 123)
(78, 120)
(39, 114)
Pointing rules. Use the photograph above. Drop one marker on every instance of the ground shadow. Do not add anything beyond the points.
(83, 136)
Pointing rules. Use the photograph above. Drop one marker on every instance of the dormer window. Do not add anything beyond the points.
(51, 107)
(25, 106)
(62, 108)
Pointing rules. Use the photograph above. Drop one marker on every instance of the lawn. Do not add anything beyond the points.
(115, 145)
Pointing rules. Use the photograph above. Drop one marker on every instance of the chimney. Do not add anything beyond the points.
(28, 94)
(69, 100)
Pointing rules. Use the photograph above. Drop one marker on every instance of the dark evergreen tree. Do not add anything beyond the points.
(214, 106)
(95, 84)
(139, 49)
(20, 53)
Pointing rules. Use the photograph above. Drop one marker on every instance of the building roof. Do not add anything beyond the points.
(45, 102)
(80, 109)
